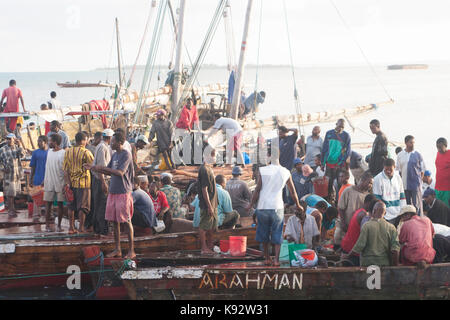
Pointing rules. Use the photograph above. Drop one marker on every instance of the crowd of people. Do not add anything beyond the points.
(392, 211)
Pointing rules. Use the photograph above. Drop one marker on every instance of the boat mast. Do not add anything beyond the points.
(240, 72)
(118, 53)
(178, 68)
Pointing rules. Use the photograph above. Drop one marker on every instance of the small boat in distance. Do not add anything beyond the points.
(407, 66)
(79, 84)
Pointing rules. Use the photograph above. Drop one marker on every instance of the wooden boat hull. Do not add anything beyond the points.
(37, 257)
(253, 280)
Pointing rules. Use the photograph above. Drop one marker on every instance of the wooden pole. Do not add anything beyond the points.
(178, 68)
(240, 72)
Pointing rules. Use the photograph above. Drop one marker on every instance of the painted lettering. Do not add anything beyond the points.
(296, 280)
(236, 283)
(206, 281)
(247, 280)
(374, 280)
(284, 282)
(274, 277)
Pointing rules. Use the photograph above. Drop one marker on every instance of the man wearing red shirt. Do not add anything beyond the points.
(161, 205)
(443, 172)
(354, 228)
(416, 237)
(188, 120)
(12, 95)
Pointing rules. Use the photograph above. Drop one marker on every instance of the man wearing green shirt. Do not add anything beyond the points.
(378, 242)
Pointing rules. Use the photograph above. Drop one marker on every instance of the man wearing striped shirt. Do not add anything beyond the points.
(388, 187)
(78, 179)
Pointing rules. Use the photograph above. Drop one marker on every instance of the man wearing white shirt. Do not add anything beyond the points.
(268, 196)
(233, 131)
(388, 187)
(411, 166)
(53, 103)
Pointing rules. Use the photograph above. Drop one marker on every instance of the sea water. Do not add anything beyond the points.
(420, 108)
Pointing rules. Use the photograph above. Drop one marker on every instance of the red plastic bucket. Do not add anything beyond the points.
(238, 246)
(224, 245)
(321, 186)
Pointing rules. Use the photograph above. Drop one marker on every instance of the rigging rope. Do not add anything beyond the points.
(144, 36)
(203, 50)
(298, 107)
(109, 60)
(151, 59)
(362, 51)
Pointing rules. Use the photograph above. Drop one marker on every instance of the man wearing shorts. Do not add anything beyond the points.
(10, 156)
(268, 195)
(79, 180)
(54, 180)
(207, 195)
(119, 205)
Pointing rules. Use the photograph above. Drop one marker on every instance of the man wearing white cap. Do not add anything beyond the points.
(416, 237)
(141, 142)
(100, 182)
(163, 129)
(10, 156)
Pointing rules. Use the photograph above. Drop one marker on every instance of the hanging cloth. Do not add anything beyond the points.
(231, 82)
(100, 105)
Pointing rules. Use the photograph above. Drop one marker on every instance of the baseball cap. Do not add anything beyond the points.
(10, 136)
(166, 174)
(429, 192)
(297, 161)
(407, 209)
(427, 173)
(108, 133)
(143, 138)
(236, 171)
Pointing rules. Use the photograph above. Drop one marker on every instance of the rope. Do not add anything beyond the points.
(298, 107)
(362, 51)
(203, 50)
(147, 24)
(109, 61)
(151, 57)
(101, 276)
(259, 46)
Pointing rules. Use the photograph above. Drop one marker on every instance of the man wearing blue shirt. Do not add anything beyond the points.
(37, 164)
(227, 216)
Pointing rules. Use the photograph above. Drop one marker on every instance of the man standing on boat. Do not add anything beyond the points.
(37, 165)
(54, 103)
(100, 182)
(140, 144)
(239, 192)
(119, 206)
(335, 154)
(268, 196)
(388, 187)
(379, 149)
(12, 95)
(55, 127)
(78, 179)
(162, 128)
(313, 147)
(10, 157)
(411, 166)
(443, 172)
(233, 132)
(378, 242)
(54, 180)
(228, 217)
(186, 123)
(208, 202)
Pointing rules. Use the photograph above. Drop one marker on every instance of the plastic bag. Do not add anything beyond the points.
(160, 226)
(305, 258)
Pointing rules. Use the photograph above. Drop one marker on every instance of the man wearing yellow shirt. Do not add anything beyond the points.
(78, 180)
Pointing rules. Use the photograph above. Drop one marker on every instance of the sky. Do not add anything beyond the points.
(76, 35)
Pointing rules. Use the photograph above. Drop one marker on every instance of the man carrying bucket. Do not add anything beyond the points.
(268, 196)
(10, 156)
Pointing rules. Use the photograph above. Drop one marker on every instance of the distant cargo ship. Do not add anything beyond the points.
(407, 66)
